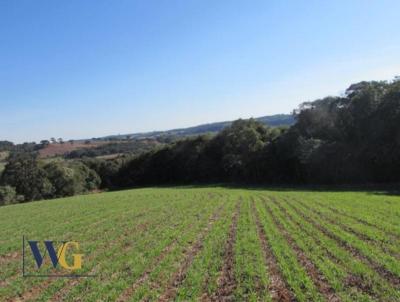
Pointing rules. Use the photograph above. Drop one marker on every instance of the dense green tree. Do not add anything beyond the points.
(105, 169)
(71, 178)
(24, 174)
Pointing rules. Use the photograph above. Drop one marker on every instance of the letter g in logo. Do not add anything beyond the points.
(77, 263)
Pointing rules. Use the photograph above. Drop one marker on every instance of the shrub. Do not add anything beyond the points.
(8, 195)
(71, 178)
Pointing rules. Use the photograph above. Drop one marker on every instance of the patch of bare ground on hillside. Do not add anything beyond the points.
(226, 281)
(380, 269)
(357, 282)
(313, 272)
(278, 288)
(61, 149)
(179, 276)
(4, 259)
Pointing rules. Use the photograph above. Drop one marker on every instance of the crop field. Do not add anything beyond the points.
(210, 244)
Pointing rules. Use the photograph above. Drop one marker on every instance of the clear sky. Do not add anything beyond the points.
(81, 68)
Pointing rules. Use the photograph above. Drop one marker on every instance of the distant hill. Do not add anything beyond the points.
(272, 120)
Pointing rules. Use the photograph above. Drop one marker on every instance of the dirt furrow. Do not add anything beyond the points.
(4, 259)
(190, 253)
(313, 272)
(10, 257)
(381, 270)
(279, 289)
(226, 281)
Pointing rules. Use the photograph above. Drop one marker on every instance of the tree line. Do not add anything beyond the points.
(348, 139)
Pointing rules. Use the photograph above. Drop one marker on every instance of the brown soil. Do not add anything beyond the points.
(226, 281)
(32, 293)
(4, 259)
(61, 149)
(279, 289)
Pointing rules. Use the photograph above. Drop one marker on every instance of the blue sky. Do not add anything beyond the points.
(77, 69)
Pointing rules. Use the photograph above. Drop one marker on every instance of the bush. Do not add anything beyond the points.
(24, 174)
(69, 179)
(105, 169)
(8, 195)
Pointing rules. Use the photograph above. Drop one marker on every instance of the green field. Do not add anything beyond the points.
(210, 244)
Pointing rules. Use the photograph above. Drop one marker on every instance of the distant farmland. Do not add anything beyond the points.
(61, 149)
(211, 244)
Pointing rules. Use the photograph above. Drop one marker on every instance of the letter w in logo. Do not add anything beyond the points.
(38, 256)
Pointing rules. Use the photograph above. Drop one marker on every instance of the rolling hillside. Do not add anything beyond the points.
(272, 120)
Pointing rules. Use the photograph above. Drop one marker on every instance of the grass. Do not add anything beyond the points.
(211, 243)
